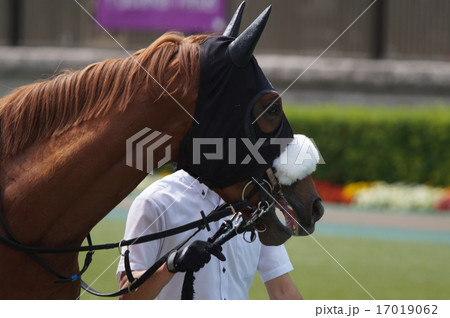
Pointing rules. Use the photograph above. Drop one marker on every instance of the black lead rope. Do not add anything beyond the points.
(134, 283)
(138, 282)
(62, 278)
(10, 241)
(216, 215)
(188, 290)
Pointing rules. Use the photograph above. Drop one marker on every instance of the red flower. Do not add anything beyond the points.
(443, 204)
(330, 192)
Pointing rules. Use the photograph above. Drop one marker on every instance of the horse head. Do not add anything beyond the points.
(288, 190)
(240, 130)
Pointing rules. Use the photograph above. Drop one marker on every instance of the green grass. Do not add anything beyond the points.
(388, 270)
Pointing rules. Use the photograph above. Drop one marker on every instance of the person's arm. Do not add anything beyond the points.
(282, 287)
(144, 211)
(191, 258)
(151, 287)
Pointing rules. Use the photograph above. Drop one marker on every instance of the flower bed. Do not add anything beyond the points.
(378, 143)
(396, 196)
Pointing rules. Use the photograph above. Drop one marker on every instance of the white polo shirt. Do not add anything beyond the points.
(175, 200)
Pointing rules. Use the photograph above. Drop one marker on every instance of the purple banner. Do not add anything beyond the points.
(180, 15)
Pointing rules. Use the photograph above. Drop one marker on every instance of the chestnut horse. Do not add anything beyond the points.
(63, 155)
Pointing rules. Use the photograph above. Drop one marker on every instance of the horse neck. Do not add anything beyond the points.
(56, 191)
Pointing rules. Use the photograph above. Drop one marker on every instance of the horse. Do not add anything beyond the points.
(63, 156)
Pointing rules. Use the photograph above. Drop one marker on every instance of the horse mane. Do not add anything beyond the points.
(49, 108)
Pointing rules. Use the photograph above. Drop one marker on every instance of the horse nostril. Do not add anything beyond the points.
(318, 210)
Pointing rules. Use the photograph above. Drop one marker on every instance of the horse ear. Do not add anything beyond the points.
(232, 29)
(241, 49)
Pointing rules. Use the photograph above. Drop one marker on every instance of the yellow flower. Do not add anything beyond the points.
(351, 189)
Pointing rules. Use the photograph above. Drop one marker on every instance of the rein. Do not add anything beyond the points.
(10, 241)
(214, 216)
(228, 230)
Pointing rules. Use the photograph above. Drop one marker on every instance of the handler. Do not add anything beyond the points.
(175, 200)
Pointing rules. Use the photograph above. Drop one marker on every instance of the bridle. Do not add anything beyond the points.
(229, 228)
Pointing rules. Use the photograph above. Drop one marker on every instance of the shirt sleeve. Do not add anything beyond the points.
(273, 262)
(144, 217)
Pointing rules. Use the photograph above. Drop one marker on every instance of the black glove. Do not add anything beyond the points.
(193, 257)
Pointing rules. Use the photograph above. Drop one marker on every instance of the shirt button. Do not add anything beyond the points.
(224, 270)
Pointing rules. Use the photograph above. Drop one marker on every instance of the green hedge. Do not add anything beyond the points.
(378, 143)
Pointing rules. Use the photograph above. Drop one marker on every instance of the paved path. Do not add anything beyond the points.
(344, 214)
(385, 225)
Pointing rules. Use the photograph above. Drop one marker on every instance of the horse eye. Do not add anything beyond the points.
(274, 109)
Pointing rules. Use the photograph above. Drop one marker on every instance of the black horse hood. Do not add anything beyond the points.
(217, 147)
(226, 96)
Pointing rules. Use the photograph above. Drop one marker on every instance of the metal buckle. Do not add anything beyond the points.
(132, 291)
(252, 236)
(257, 183)
(263, 230)
(120, 249)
